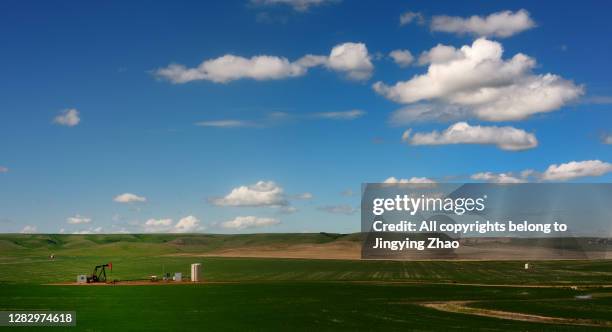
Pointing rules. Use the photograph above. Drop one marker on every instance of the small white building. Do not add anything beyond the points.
(196, 272)
(526, 266)
(178, 276)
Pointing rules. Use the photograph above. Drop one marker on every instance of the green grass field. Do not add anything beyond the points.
(281, 294)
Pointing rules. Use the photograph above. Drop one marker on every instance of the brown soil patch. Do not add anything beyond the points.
(351, 250)
(463, 308)
(334, 250)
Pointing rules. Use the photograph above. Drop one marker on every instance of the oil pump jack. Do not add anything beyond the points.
(99, 273)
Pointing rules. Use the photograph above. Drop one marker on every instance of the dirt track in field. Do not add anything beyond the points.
(461, 307)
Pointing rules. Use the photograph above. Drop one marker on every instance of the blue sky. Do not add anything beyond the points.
(88, 113)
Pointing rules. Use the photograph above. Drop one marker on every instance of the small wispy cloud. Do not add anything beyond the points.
(338, 209)
(347, 193)
(272, 119)
(129, 198)
(68, 117)
(409, 17)
(78, 219)
(297, 5)
(343, 115)
(28, 229)
(244, 222)
(226, 123)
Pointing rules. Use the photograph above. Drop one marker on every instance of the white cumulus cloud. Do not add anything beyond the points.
(576, 169)
(231, 67)
(351, 59)
(402, 58)
(129, 198)
(500, 24)
(187, 225)
(243, 222)
(506, 138)
(78, 219)
(440, 54)
(480, 83)
(68, 117)
(262, 193)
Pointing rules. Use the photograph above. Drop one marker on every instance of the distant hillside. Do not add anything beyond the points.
(291, 245)
(138, 244)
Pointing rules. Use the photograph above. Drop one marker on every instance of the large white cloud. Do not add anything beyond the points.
(500, 24)
(351, 59)
(506, 138)
(476, 81)
(244, 222)
(129, 198)
(78, 219)
(576, 169)
(68, 117)
(262, 193)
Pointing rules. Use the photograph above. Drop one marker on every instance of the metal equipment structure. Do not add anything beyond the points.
(99, 273)
(196, 272)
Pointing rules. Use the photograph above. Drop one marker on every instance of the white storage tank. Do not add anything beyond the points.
(196, 272)
(178, 276)
(81, 279)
